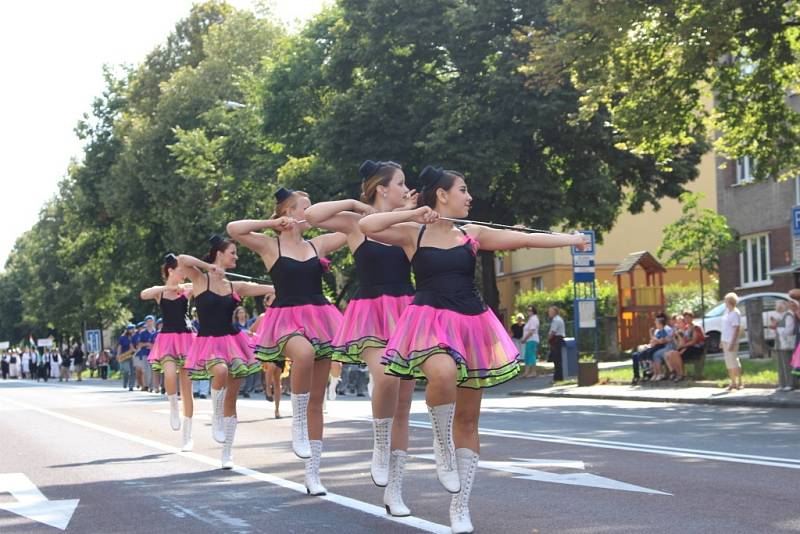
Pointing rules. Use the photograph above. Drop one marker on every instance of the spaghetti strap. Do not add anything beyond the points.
(313, 247)
(419, 236)
(208, 282)
(462, 230)
(278, 239)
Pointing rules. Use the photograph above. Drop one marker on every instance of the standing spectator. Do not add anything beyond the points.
(103, 361)
(92, 364)
(516, 331)
(785, 341)
(13, 364)
(4, 365)
(555, 337)
(144, 342)
(33, 358)
(77, 360)
(729, 339)
(530, 339)
(241, 322)
(65, 364)
(125, 351)
(43, 365)
(25, 364)
(55, 363)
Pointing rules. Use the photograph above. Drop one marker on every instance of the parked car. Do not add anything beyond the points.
(713, 318)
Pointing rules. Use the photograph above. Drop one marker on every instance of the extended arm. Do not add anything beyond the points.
(495, 239)
(249, 289)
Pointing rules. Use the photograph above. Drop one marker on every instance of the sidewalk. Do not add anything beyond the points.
(748, 397)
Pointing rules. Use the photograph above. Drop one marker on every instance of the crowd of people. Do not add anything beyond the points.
(46, 363)
(677, 340)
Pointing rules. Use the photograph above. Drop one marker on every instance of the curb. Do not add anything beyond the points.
(746, 403)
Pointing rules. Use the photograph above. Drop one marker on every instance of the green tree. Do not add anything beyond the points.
(442, 82)
(696, 239)
(651, 63)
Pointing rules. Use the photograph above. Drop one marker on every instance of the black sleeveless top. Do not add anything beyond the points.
(446, 278)
(173, 313)
(215, 312)
(382, 270)
(297, 282)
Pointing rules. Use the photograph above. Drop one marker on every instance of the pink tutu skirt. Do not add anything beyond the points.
(233, 351)
(317, 323)
(368, 323)
(484, 353)
(170, 347)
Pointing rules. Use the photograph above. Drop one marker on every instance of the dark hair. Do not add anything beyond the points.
(433, 179)
(170, 262)
(218, 244)
(373, 174)
(533, 310)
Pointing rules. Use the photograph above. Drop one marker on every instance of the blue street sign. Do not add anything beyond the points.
(796, 220)
(93, 340)
(590, 250)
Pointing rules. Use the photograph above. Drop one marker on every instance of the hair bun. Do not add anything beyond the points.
(170, 260)
(368, 168)
(282, 194)
(215, 240)
(430, 175)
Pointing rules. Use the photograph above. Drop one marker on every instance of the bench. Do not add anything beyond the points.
(698, 364)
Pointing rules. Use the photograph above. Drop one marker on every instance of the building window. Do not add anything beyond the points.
(537, 284)
(517, 289)
(745, 169)
(754, 265)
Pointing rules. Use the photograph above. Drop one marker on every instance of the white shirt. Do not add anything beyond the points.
(730, 321)
(785, 331)
(557, 326)
(531, 327)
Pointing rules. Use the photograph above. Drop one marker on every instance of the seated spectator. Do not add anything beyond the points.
(689, 349)
(659, 338)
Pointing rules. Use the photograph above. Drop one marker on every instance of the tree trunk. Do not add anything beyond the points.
(489, 280)
(754, 311)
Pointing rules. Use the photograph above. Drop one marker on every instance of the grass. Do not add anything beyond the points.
(760, 372)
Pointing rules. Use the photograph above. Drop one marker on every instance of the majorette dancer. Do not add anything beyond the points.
(448, 335)
(172, 344)
(220, 351)
(384, 291)
(301, 323)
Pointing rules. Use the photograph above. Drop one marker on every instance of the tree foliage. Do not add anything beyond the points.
(697, 237)
(167, 162)
(674, 72)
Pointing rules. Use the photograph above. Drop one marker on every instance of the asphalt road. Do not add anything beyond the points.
(547, 465)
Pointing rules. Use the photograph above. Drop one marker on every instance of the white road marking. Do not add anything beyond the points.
(32, 503)
(586, 412)
(571, 479)
(341, 500)
(770, 461)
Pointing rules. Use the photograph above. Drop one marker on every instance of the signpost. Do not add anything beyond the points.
(44, 342)
(585, 289)
(796, 235)
(93, 340)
